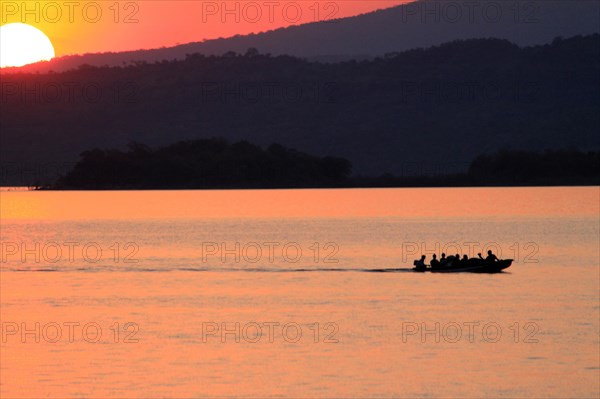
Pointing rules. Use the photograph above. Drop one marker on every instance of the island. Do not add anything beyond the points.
(218, 164)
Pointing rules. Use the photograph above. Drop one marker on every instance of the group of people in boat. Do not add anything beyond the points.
(452, 260)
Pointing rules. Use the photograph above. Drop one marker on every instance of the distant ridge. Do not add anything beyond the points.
(421, 112)
(423, 23)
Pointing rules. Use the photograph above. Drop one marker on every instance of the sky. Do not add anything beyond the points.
(78, 27)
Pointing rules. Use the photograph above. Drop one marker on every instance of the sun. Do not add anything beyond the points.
(22, 44)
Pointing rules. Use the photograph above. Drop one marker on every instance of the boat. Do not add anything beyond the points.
(472, 266)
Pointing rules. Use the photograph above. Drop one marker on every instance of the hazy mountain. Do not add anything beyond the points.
(421, 111)
(423, 23)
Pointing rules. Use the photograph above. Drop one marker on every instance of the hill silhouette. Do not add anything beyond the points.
(422, 23)
(417, 112)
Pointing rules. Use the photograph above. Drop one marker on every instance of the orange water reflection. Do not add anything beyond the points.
(417, 203)
(372, 358)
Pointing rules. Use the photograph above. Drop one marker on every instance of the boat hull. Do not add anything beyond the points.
(473, 266)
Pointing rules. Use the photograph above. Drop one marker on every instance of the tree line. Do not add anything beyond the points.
(217, 164)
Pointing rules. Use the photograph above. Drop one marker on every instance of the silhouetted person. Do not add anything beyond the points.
(464, 261)
(456, 260)
(420, 264)
(435, 264)
(443, 260)
(490, 258)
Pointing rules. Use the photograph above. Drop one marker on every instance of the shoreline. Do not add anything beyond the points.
(262, 188)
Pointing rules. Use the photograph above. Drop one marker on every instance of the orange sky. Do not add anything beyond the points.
(76, 27)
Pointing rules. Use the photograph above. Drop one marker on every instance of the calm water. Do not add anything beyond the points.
(131, 291)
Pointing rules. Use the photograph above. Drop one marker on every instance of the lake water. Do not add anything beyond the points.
(281, 293)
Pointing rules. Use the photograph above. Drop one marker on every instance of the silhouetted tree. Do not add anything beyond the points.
(208, 163)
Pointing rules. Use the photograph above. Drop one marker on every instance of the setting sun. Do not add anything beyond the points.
(22, 44)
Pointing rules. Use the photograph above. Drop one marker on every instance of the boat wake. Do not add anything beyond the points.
(209, 270)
